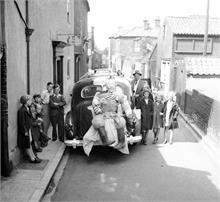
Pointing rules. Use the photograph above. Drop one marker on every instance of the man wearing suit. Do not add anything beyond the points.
(136, 85)
(56, 103)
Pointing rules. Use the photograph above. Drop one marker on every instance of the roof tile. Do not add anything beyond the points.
(193, 25)
(202, 65)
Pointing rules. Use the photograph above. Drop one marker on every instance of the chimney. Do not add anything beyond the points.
(146, 25)
(157, 22)
(120, 28)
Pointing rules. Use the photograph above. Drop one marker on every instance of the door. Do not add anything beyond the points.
(77, 66)
(58, 72)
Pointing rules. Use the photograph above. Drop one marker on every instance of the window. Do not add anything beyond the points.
(90, 91)
(136, 46)
(199, 45)
(192, 45)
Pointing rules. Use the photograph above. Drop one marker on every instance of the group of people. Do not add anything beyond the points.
(155, 112)
(34, 117)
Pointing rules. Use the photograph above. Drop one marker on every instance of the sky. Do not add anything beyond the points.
(107, 15)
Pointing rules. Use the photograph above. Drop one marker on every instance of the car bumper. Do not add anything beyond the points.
(77, 143)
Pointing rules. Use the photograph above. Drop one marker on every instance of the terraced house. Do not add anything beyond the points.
(182, 68)
(38, 42)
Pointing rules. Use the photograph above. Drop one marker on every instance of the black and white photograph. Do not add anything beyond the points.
(110, 100)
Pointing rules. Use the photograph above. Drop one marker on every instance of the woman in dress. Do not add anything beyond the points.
(171, 111)
(24, 129)
(157, 117)
(146, 107)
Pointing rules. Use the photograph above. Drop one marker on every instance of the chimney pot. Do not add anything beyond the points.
(157, 22)
(146, 25)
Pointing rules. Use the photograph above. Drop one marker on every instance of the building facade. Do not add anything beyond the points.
(38, 46)
(182, 68)
(131, 49)
(81, 9)
(183, 37)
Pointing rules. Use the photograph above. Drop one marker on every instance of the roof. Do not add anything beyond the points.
(202, 66)
(193, 25)
(138, 32)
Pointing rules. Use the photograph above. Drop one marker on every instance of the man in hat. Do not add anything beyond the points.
(136, 85)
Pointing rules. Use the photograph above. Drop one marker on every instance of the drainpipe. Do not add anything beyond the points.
(28, 33)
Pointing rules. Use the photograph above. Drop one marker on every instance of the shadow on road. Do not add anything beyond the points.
(147, 174)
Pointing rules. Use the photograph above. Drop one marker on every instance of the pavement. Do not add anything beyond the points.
(211, 145)
(30, 183)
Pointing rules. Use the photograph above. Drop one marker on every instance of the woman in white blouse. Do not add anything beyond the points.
(171, 111)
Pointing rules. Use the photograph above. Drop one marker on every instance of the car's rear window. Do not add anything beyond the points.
(90, 91)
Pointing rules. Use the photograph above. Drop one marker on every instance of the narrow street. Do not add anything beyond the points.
(179, 172)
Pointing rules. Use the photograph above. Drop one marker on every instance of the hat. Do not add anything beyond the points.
(137, 72)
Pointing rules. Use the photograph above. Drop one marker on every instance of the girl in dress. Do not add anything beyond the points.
(157, 117)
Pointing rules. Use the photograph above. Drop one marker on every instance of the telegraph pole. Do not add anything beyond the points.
(206, 29)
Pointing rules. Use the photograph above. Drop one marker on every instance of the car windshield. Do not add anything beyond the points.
(90, 91)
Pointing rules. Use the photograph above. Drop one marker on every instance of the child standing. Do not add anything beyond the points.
(146, 107)
(39, 112)
(157, 117)
(39, 119)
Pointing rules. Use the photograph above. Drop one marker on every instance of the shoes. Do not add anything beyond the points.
(144, 143)
(155, 141)
(54, 139)
(165, 141)
(170, 142)
(38, 149)
(44, 144)
(37, 160)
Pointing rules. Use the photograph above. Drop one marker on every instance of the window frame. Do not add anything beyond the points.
(193, 45)
(138, 44)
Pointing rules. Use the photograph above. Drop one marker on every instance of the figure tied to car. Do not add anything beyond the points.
(105, 105)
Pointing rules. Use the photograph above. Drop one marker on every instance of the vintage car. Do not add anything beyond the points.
(79, 119)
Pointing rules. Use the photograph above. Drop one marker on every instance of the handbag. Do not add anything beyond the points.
(174, 124)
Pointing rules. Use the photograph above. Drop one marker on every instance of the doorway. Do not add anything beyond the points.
(165, 75)
(77, 66)
(59, 72)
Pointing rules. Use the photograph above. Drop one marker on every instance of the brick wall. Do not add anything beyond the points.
(198, 107)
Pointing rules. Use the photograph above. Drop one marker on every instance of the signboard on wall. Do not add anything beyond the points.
(165, 74)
